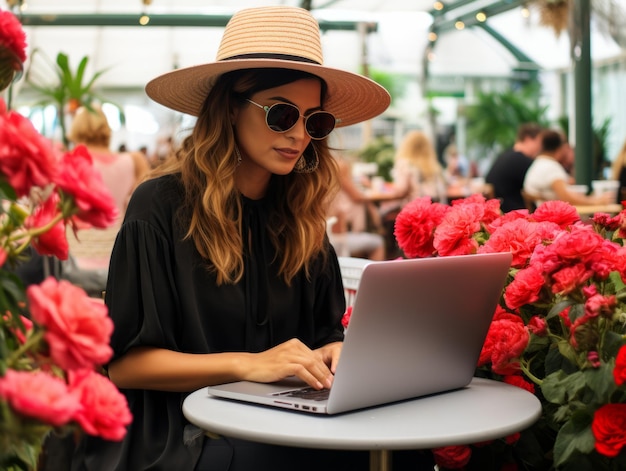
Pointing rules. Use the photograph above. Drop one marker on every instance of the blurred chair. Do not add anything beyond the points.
(351, 270)
(530, 201)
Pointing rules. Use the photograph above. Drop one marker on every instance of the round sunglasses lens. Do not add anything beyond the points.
(282, 117)
(320, 124)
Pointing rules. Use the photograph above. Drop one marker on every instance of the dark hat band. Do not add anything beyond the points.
(263, 55)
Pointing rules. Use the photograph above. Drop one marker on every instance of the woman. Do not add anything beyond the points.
(222, 270)
(618, 172)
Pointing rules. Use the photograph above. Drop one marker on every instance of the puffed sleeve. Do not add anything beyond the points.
(141, 293)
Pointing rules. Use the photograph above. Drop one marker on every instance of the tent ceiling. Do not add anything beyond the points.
(134, 54)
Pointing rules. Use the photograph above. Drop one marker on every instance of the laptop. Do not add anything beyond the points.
(417, 328)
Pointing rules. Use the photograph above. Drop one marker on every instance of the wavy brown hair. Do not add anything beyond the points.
(206, 163)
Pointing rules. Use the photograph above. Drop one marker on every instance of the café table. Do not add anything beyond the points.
(483, 410)
(590, 210)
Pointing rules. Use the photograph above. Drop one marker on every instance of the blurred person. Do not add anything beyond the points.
(350, 209)
(547, 179)
(507, 172)
(618, 172)
(121, 171)
(416, 173)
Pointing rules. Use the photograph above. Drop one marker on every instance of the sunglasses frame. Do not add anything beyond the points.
(267, 110)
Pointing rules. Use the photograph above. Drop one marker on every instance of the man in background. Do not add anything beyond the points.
(509, 169)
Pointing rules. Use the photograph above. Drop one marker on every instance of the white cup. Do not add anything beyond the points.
(600, 187)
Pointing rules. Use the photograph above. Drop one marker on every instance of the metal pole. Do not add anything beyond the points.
(580, 37)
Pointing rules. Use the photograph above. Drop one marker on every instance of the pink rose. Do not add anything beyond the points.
(559, 212)
(538, 326)
(78, 328)
(40, 396)
(454, 236)
(104, 411)
(53, 242)
(26, 157)
(12, 35)
(345, 319)
(415, 225)
(80, 179)
(3, 256)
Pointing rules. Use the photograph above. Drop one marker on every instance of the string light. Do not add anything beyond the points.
(432, 36)
(459, 25)
(481, 16)
(144, 20)
(438, 6)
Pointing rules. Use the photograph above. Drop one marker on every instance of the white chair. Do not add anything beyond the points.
(351, 270)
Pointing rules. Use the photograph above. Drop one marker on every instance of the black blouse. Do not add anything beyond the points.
(160, 294)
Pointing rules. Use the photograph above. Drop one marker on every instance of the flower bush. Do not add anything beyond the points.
(559, 330)
(53, 337)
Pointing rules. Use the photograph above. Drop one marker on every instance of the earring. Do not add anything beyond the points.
(238, 155)
(305, 165)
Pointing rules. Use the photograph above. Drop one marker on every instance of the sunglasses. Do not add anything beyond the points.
(281, 117)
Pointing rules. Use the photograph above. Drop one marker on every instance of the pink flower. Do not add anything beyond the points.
(454, 236)
(20, 332)
(452, 457)
(78, 328)
(26, 157)
(80, 179)
(415, 225)
(3, 256)
(12, 36)
(104, 411)
(558, 212)
(609, 429)
(53, 242)
(40, 396)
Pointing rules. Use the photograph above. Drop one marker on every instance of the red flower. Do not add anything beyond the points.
(619, 372)
(12, 36)
(506, 340)
(609, 429)
(415, 225)
(520, 382)
(538, 326)
(104, 409)
(345, 320)
(80, 179)
(452, 457)
(53, 242)
(26, 157)
(78, 328)
(38, 395)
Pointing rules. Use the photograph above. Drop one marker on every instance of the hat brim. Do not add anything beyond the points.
(352, 98)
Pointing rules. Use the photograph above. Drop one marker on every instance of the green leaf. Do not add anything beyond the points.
(560, 387)
(574, 437)
(601, 382)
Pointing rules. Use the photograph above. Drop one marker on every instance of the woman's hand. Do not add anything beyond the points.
(293, 358)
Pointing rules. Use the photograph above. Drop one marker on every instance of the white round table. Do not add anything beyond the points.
(484, 410)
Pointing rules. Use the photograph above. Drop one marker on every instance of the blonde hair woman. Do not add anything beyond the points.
(417, 172)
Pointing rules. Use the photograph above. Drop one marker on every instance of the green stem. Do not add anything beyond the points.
(527, 372)
(31, 341)
(28, 235)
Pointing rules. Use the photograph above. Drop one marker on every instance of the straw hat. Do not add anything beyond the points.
(279, 37)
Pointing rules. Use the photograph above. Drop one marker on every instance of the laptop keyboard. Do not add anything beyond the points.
(306, 393)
